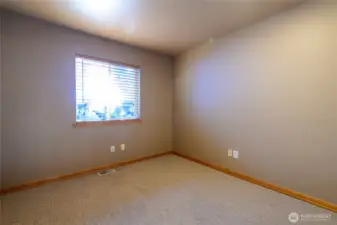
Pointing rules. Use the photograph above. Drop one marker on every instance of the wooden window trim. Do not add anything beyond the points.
(105, 122)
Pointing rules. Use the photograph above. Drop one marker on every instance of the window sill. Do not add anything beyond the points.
(105, 123)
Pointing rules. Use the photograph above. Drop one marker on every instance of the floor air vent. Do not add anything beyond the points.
(106, 172)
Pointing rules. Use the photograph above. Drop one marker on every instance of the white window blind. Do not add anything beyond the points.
(106, 90)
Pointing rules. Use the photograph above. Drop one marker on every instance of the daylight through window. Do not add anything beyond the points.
(106, 91)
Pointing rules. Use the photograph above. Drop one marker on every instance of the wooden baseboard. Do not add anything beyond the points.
(315, 201)
(76, 174)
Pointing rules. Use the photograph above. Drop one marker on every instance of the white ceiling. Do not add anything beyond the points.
(167, 26)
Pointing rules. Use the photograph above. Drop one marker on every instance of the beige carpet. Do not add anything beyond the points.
(167, 190)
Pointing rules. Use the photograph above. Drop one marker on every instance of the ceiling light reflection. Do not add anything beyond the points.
(98, 9)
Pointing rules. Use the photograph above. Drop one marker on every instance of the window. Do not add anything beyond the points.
(106, 90)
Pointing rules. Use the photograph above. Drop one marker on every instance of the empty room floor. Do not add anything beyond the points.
(164, 190)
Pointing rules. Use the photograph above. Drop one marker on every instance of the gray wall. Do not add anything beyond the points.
(38, 103)
(270, 91)
(0, 91)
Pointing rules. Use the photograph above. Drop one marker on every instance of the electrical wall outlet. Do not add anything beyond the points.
(235, 154)
(122, 147)
(112, 148)
(230, 152)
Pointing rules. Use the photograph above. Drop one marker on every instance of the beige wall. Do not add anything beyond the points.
(270, 91)
(38, 103)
